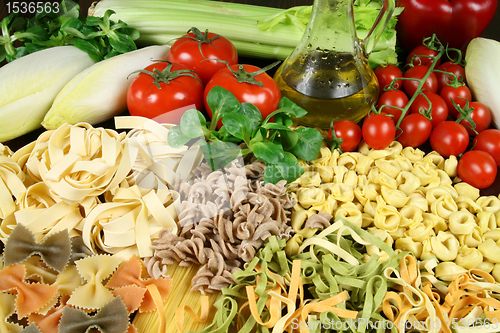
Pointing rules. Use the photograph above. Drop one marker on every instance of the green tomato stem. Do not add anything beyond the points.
(421, 84)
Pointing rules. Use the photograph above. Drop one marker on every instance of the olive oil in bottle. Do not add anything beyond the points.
(327, 73)
(329, 86)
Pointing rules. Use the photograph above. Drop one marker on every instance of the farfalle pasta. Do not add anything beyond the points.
(127, 282)
(94, 270)
(112, 317)
(54, 250)
(30, 297)
(58, 284)
(7, 309)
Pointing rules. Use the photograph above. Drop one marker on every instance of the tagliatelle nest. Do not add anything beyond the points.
(110, 187)
(77, 161)
(225, 219)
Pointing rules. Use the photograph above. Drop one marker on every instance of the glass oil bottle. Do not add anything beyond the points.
(328, 73)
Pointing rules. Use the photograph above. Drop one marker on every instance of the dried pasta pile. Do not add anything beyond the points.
(79, 208)
(411, 200)
(54, 284)
(123, 232)
(225, 218)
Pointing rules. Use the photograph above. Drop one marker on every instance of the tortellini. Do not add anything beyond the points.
(412, 198)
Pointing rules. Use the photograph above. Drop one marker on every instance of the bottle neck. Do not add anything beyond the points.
(331, 27)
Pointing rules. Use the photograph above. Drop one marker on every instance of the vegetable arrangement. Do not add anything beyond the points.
(61, 25)
(256, 31)
(56, 47)
(375, 235)
(29, 85)
(425, 109)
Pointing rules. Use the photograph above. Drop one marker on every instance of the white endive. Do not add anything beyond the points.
(100, 92)
(28, 86)
(482, 71)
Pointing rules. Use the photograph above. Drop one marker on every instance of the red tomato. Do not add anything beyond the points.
(395, 98)
(179, 90)
(416, 129)
(449, 138)
(439, 111)
(193, 48)
(481, 116)
(418, 72)
(489, 141)
(387, 74)
(350, 133)
(450, 67)
(265, 98)
(378, 131)
(421, 55)
(477, 168)
(459, 95)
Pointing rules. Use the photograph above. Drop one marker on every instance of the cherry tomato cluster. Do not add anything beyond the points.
(429, 102)
(196, 63)
(439, 108)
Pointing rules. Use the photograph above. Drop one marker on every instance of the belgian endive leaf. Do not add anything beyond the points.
(100, 92)
(29, 85)
(482, 71)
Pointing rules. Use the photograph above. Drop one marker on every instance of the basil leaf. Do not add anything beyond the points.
(253, 115)
(91, 47)
(221, 101)
(132, 32)
(294, 110)
(258, 135)
(268, 151)
(219, 154)
(123, 43)
(276, 126)
(288, 139)
(237, 125)
(283, 119)
(287, 168)
(308, 145)
(193, 124)
(176, 138)
(71, 24)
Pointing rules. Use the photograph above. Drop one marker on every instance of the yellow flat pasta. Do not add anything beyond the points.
(127, 225)
(80, 161)
(157, 163)
(11, 185)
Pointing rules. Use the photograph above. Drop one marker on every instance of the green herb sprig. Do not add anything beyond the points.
(100, 37)
(275, 143)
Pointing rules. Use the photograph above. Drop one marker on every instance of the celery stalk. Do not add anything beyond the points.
(256, 31)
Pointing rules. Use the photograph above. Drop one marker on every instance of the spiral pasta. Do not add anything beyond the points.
(224, 219)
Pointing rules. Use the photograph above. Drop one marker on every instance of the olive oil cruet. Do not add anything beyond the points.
(328, 73)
